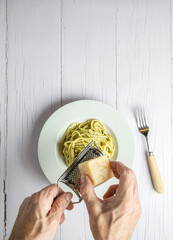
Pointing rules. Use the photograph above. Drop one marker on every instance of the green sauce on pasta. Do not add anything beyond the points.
(79, 135)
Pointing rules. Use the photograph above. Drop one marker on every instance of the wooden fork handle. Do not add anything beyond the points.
(155, 174)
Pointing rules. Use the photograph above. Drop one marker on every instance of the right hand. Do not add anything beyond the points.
(114, 217)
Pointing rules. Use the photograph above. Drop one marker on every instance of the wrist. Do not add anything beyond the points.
(13, 236)
(120, 232)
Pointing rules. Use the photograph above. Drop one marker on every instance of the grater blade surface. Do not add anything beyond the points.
(71, 177)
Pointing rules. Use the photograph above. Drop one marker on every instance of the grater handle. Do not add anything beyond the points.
(71, 203)
(89, 150)
(80, 199)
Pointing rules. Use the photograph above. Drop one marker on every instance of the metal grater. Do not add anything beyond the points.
(71, 177)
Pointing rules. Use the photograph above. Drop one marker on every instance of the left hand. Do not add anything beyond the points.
(40, 215)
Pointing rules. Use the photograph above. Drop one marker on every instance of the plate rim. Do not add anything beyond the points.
(86, 101)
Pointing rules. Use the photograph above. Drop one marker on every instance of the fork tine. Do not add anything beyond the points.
(146, 121)
(140, 118)
(143, 119)
(137, 119)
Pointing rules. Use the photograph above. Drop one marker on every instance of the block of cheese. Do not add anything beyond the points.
(98, 169)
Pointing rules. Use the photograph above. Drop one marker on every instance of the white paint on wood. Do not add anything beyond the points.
(88, 50)
(144, 81)
(33, 93)
(117, 52)
(3, 116)
(89, 70)
(171, 75)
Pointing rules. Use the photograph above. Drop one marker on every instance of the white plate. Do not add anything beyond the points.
(51, 162)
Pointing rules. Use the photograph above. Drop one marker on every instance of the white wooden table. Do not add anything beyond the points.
(55, 51)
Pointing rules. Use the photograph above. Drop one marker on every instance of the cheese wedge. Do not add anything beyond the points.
(98, 170)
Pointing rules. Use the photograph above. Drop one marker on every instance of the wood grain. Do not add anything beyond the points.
(34, 93)
(54, 52)
(155, 174)
(89, 71)
(3, 116)
(144, 81)
(171, 75)
(88, 51)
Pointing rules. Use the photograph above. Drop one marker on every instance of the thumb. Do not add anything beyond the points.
(60, 204)
(87, 191)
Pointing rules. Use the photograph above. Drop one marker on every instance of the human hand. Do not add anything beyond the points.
(115, 217)
(40, 215)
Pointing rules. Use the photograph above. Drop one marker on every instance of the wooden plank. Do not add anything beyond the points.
(88, 72)
(34, 92)
(88, 53)
(143, 57)
(171, 75)
(3, 117)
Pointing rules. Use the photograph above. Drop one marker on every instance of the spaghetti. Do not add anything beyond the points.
(79, 135)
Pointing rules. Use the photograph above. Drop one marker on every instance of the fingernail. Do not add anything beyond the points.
(83, 179)
(69, 197)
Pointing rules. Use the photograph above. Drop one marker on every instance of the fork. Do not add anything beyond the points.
(154, 170)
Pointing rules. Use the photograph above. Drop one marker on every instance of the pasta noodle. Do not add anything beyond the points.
(79, 135)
